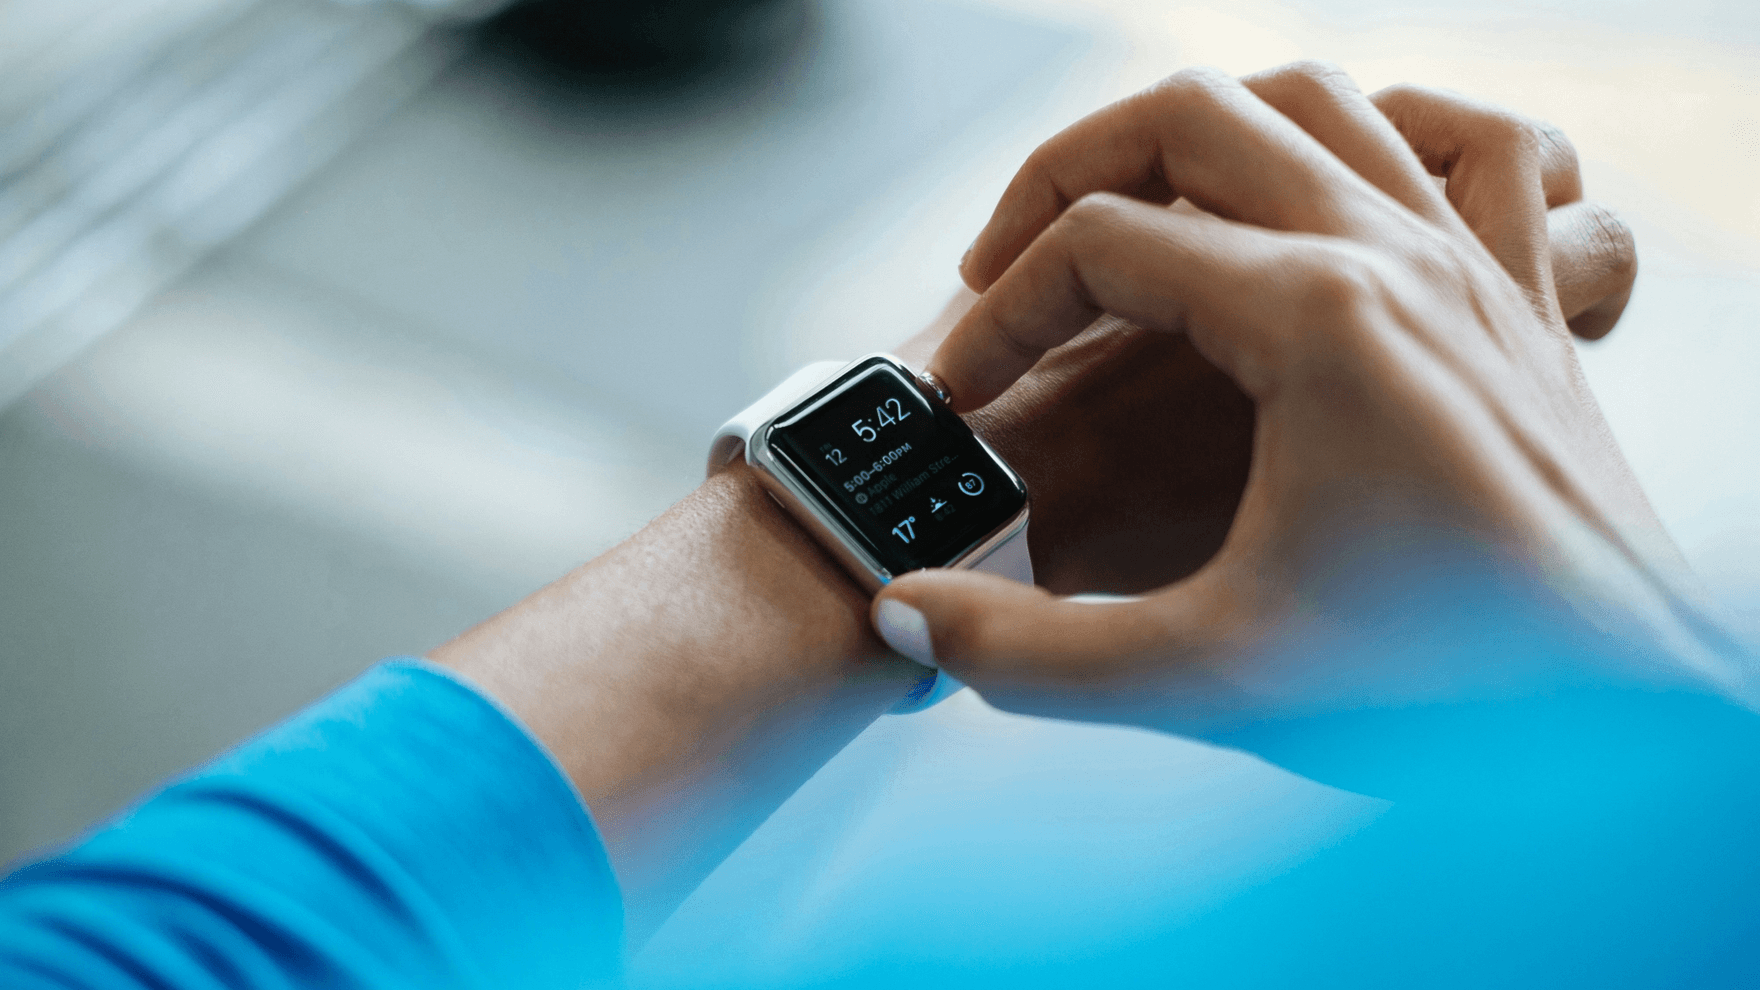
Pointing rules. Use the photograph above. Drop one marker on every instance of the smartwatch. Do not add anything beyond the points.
(885, 475)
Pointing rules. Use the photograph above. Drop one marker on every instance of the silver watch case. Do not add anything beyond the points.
(826, 527)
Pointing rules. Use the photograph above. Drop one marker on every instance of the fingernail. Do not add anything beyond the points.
(905, 630)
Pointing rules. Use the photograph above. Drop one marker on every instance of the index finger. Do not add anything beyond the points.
(1199, 134)
(1138, 147)
(1160, 269)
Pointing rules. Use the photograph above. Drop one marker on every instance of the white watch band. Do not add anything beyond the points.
(733, 436)
(1008, 559)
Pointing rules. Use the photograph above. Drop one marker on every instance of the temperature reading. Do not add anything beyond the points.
(834, 455)
(906, 530)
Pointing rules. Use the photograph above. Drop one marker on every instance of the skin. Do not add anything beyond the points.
(694, 676)
(1406, 349)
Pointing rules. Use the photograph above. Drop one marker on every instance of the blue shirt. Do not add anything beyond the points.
(403, 832)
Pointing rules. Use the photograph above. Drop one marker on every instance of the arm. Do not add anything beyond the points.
(689, 680)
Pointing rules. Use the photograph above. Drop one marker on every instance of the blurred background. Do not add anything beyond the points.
(328, 329)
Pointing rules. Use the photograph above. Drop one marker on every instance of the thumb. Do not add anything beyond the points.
(990, 631)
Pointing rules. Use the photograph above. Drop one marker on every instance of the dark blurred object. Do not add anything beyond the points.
(645, 43)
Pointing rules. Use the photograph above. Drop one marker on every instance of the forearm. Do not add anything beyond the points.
(689, 680)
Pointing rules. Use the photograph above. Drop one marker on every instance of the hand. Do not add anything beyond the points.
(1103, 519)
(1418, 401)
(1108, 519)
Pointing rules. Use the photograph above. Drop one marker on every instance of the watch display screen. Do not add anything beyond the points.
(905, 475)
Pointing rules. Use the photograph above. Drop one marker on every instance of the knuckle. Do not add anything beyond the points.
(1204, 77)
(1089, 227)
(1560, 171)
(1300, 87)
(1316, 76)
(1010, 331)
(1402, 93)
(1510, 133)
(1036, 171)
(1199, 83)
(1447, 262)
(1339, 286)
(1095, 210)
(1343, 291)
(1406, 104)
(1612, 249)
(1557, 145)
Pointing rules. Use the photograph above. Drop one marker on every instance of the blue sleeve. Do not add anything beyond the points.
(404, 832)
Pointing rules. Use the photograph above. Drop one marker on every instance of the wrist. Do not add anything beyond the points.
(655, 661)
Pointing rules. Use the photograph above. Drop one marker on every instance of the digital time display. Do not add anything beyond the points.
(905, 474)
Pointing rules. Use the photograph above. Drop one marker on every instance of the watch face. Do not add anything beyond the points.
(906, 476)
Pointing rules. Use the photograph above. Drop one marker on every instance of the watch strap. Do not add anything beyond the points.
(731, 440)
(1009, 559)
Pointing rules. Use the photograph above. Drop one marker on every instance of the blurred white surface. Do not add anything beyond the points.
(127, 156)
(289, 400)
(638, 250)
(487, 342)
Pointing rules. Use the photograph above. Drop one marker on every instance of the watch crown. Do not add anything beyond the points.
(928, 378)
